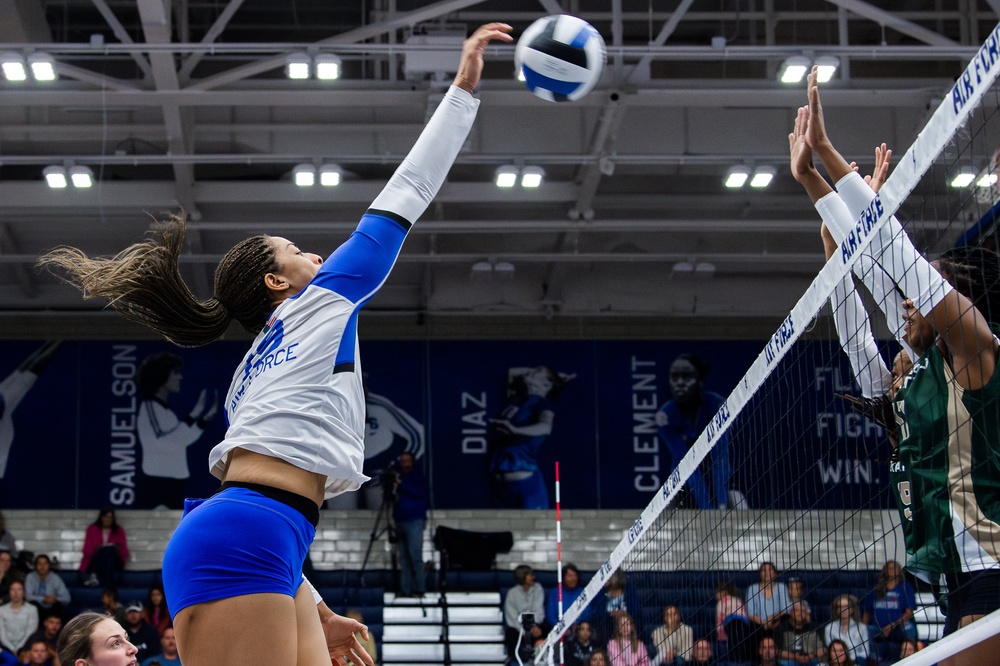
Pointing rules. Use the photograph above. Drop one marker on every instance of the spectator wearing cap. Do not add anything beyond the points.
(141, 634)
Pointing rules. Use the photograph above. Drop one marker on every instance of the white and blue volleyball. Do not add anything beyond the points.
(561, 57)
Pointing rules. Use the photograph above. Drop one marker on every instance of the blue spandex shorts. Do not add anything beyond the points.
(236, 542)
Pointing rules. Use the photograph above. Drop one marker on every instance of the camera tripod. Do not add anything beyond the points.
(384, 524)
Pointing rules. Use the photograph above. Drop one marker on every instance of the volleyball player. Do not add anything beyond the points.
(948, 406)
(233, 569)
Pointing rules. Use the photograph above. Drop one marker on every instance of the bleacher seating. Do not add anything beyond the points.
(693, 592)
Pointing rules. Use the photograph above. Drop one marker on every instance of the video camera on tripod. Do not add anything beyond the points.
(388, 479)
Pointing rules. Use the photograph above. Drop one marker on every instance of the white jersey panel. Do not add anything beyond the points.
(287, 402)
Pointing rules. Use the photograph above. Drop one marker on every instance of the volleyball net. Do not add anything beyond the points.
(796, 397)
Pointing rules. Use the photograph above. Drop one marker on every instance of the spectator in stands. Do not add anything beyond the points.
(598, 658)
(8, 574)
(112, 608)
(368, 645)
(767, 601)
(838, 654)
(767, 652)
(7, 539)
(410, 516)
(845, 627)
(616, 597)
(797, 590)
(888, 610)
(18, 619)
(105, 550)
(51, 626)
(578, 649)
(625, 648)
(727, 603)
(141, 634)
(701, 653)
(8, 658)
(38, 653)
(168, 651)
(45, 588)
(571, 590)
(908, 648)
(156, 612)
(673, 639)
(95, 640)
(525, 597)
(798, 643)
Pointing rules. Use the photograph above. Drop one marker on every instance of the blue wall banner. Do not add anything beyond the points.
(130, 424)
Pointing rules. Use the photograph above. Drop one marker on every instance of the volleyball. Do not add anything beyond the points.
(561, 57)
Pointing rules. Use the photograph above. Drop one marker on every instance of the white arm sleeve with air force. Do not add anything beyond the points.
(418, 179)
(856, 339)
(891, 248)
(850, 318)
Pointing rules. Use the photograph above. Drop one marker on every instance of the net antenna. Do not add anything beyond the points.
(946, 127)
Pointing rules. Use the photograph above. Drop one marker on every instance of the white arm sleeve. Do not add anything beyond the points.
(891, 248)
(418, 179)
(316, 595)
(856, 339)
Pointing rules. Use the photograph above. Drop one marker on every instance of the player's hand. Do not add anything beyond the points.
(343, 645)
(815, 126)
(799, 151)
(881, 172)
(470, 67)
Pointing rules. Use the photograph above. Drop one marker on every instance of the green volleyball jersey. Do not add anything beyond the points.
(900, 481)
(949, 445)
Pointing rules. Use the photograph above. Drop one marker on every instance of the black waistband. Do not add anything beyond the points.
(962, 579)
(303, 505)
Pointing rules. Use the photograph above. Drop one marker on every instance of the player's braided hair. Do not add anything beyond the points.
(975, 273)
(144, 284)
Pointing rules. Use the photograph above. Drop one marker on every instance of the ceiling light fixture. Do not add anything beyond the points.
(81, 177)
(298, 66)
(793, 69)
(762, 177)
(304, 175)
(506, 176)
(826, 67)
(963, 178)
(492, 269)
(737, 176)
(43, 67)
(55, 176)
(532, 176)
(329, 175)
(328, 66)
(13, 68)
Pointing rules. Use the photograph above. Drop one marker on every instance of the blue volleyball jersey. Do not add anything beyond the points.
(297, 395)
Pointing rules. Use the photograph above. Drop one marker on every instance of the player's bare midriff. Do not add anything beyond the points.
(251, 467)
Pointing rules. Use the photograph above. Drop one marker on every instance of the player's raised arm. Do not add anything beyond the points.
(966, 332)
(418, 179)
